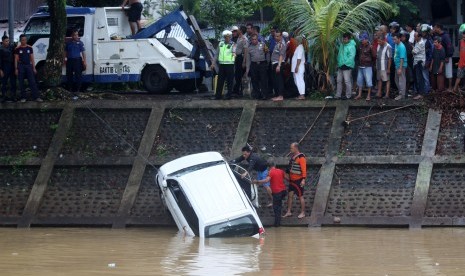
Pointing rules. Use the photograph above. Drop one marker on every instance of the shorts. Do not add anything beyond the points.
(448, 70)
(460, 73)
(365, 75)
(382, 75)
(294, 186)
(134, 12)
(262, 175)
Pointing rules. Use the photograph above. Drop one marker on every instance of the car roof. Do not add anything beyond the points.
(189, 161)
(214, 193)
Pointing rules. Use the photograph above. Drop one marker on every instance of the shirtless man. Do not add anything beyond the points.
(134, 14)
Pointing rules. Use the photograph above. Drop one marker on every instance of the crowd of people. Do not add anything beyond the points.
(392, 61)
(268, 61)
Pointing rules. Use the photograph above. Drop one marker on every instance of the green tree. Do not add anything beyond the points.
(324, 22)
(220, 14)
(54, 62)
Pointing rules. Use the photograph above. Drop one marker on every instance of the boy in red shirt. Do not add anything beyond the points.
(278, 189)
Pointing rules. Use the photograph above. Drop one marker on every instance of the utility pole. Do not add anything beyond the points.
(11, 21)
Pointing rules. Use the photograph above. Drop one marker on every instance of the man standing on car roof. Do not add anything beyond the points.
(257, 164)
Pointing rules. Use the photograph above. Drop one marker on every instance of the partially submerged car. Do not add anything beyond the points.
(205, 199)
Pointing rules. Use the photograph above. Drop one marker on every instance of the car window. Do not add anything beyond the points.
(181, 172)
(241, 227)
(39, 27)
(184, 205)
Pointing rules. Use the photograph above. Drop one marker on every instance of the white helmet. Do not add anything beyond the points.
(227, 33)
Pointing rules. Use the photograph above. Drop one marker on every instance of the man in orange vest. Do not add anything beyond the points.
(297, 173)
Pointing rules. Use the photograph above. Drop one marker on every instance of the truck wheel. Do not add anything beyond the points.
(155, 79)
(187, 86)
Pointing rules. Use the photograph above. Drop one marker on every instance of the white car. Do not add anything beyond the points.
(205, 198)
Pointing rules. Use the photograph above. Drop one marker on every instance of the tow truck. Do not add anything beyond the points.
(116, 56)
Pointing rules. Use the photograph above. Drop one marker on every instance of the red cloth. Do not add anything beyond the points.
(462, 54)
(276, 180)
(291, 46)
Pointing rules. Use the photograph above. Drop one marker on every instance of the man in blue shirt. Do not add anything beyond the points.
(400, 61)
(25, 67)
(75, 60)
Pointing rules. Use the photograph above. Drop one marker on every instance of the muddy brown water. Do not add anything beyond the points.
(283, 251)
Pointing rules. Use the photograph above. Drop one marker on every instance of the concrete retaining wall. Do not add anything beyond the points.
(86, 163)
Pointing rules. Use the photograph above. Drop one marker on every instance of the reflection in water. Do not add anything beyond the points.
(284, 251)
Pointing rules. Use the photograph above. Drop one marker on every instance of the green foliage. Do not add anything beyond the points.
(324, 22)
(220, 14)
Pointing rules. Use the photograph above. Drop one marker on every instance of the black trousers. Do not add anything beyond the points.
(226, 73)
(259, 76)
(74, 74)
(278, 206)
(278, 80)
(238, 74)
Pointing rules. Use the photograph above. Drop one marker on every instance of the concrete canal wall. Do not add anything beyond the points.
(63, 163)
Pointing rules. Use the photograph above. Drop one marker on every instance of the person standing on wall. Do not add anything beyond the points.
(277, 59)
(225, 58)
(240, 62)
(134, 14)
(258, 68)
(7, 72)
(25, 67)
(75, 60)
(297, 173)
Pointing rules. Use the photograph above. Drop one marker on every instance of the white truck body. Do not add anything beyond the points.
(111, 57)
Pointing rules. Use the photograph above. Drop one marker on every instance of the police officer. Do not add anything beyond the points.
(75, 60)
(277, 59)
(7, 72)
(25, 67)
(257, 65)
(225, 58)
(240, 62)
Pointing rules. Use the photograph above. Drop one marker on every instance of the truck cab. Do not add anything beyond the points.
(115, 56)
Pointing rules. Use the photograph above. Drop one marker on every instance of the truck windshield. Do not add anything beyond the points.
(241, 227)
(40, 26)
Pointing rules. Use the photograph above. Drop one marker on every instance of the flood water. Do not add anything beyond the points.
(283, 251)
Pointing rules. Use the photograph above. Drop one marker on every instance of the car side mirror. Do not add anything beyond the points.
(164, 184)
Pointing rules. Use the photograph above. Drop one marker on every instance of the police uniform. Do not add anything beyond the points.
(277, 78)
(74, 66)
(7, 66)
(25, 69)
(241, 46)
(226, 69)
(257, 64)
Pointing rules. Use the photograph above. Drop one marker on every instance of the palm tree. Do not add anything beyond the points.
(324, 21)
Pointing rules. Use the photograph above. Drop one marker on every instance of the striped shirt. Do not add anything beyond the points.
(383, 55)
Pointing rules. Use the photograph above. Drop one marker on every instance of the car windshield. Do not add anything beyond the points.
(241, 227)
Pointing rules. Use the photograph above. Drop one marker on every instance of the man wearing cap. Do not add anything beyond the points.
(277, 60)
(258, 67)
(225, 58)
(235, 33)
(365, 71)
(240, 62)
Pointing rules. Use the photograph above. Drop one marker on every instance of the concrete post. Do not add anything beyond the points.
(425, 168)
(138, 168)
(327, 169)
(46, 168)
(243, 129)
